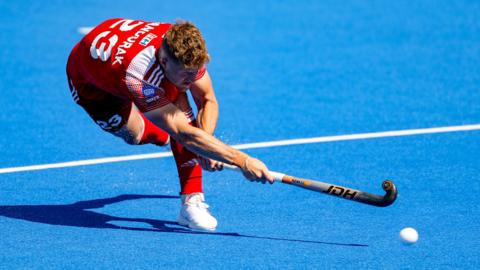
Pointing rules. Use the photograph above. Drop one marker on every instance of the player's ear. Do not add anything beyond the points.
(162, 56)
(163, 60)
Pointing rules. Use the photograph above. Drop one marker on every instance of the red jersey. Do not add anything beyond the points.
(120, 56)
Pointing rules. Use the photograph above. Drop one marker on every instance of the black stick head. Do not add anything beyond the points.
(391, 193)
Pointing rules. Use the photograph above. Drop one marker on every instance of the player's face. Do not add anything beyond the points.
(176, 72)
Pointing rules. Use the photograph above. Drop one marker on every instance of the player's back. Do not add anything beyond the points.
(104, 56)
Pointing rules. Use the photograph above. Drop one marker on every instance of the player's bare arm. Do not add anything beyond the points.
(173, 121)
(207, 117)
(204, 97)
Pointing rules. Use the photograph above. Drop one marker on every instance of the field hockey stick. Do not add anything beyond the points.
(334, 190)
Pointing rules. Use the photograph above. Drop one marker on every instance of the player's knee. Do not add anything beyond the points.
(129, 136)
(132, 140)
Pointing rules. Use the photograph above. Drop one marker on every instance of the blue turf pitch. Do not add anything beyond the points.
(281, 70)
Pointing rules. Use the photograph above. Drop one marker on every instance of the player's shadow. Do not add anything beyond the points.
(79, 215)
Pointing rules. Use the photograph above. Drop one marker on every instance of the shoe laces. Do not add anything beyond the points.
(196, 200)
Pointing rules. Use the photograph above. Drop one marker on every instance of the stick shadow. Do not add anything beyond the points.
(79, 214)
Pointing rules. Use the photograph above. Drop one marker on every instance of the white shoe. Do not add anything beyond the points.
(194, 213)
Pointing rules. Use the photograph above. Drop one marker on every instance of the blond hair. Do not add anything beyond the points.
(185, 42)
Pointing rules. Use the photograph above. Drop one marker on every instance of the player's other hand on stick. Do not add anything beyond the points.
(210, 164)
(255, 170)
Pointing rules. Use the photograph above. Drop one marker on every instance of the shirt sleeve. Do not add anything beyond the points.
(146, 96)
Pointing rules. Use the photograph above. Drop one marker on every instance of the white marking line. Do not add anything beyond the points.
(361, 136)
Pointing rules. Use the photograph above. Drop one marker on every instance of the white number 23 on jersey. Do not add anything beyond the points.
(103, 43)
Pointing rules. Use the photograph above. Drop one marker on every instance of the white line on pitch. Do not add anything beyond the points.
(361, 136)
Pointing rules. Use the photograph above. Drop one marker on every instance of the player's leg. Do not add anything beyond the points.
(194, 211)
(117, 116)
(189, 170)
(139, 130)
(122, 119)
